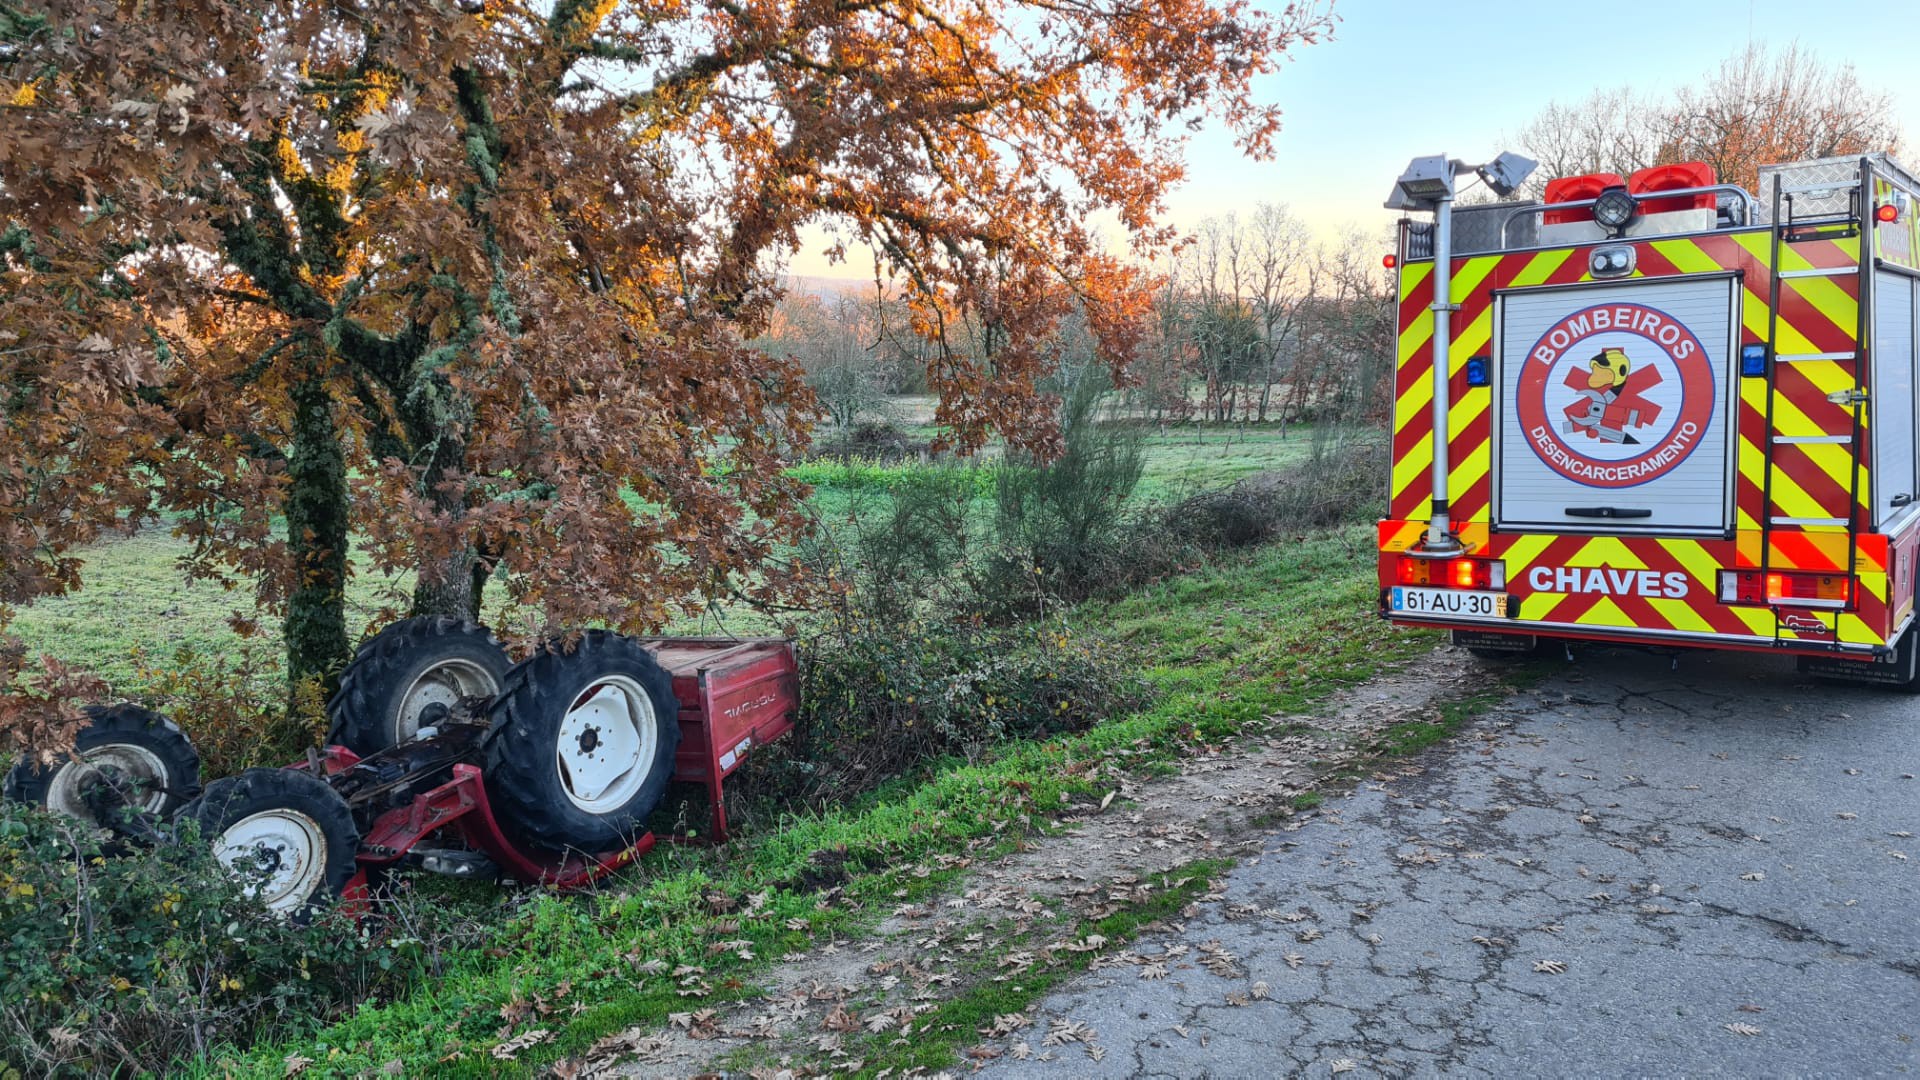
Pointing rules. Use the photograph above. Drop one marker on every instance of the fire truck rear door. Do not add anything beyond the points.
(1615, 407)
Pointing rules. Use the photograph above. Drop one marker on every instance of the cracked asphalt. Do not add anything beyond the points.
(1597, 879)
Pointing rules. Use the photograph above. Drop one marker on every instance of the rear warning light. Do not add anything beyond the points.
(1785, 588)
(1454, 573)
(1676, 177)
(1389, 261)
(1887, 212)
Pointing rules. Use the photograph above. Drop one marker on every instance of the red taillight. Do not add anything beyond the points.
(1787, 588)
(1887, 212)
(1389, 261)
(1454, 573)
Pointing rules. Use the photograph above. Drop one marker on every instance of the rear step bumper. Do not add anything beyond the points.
(1511, 628)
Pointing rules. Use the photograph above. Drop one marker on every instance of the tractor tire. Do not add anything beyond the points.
(123, 743)
(408, 675)
(582, 745)
(286, 831)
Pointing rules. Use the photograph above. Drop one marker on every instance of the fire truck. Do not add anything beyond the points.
(1660, 410)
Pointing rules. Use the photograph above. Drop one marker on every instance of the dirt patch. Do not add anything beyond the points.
(1004, 917)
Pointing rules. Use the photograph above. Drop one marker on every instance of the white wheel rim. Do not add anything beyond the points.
(281, 853)
(607, 743)
(445, 683)
(136, 765)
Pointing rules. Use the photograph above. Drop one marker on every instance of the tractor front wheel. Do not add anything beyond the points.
(287, 834)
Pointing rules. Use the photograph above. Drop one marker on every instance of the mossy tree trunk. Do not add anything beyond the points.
(317, 519)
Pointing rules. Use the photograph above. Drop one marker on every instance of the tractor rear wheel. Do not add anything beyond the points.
(286, 833)
(126, 756)
(582, 744)
(408, 676)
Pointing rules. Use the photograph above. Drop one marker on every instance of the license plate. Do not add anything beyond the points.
(1481, 605)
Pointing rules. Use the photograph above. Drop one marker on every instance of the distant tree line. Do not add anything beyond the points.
(1761, 106)
(1252, 322)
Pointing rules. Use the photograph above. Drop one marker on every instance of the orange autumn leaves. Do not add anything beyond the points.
(516, 251)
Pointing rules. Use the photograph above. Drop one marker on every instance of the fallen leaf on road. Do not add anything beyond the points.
(1550, 967)
(1153, 971)
(1341, 1065)
(1060, 1032)
(1005, 1024)
(1742, 1029)
(1259, 991)
(1294, 960)
(1846, 815)
(1754, 876)
(1898, 855)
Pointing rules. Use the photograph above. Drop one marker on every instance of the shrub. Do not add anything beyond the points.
(873, 440)
(231, 706)
(1343, 482)
(1067, 520)
(881, 698)
(902, 666)
(139, 960)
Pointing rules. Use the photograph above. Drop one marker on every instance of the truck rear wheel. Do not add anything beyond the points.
(582, 744)
(408, 675)
(141, 758)
(288, 834)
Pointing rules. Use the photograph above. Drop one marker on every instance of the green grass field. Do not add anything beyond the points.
(135, 601)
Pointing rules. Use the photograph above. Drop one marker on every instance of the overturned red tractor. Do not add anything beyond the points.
(445, 755)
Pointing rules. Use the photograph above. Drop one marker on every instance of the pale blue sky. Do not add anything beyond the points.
(1401, 79)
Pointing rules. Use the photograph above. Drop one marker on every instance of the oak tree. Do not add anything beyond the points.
(470, 281)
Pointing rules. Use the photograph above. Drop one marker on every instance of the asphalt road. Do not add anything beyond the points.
(1627, 871)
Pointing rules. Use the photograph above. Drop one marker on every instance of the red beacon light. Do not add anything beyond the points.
(1389, 261)
(1887, 212)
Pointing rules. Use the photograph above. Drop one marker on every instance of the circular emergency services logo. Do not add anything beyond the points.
(1615, 395)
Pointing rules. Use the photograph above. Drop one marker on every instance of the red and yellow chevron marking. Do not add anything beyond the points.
(1818, 316)
(1698, 612)
(1793, 497)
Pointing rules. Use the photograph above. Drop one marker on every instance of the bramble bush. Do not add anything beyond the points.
(136, 959)
(881, 699)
